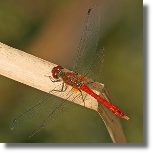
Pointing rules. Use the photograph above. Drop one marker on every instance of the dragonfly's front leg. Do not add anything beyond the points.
(62, 89)
(58, 80)
(52, 79)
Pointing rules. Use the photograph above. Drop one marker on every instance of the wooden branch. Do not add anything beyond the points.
(33, 71)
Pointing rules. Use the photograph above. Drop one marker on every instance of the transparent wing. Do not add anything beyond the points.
(47, 104)
(94, 69)
(62, 108)
(89, 40)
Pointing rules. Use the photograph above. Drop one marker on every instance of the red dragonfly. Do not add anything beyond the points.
(84, 58)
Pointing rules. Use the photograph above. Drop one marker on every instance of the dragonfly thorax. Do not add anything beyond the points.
(73, 79)
(70, 78)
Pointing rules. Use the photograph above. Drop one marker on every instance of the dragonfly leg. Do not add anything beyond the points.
(83, 98)
(62, 89)
(52, 79)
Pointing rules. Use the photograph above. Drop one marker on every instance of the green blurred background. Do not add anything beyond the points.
(52, 30)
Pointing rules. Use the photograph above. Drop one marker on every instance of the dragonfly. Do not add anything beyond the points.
(87, 63)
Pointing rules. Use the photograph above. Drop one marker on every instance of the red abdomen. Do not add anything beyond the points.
(112, 107)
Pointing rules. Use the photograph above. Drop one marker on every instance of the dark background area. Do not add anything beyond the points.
(52, 30)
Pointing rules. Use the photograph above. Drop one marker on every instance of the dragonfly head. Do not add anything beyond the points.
(56, 71)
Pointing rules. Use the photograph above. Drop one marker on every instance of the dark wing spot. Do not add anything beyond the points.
(89, 11)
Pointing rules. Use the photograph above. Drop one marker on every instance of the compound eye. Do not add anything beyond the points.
(55, 74)
(58, 67)
(53, 69)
